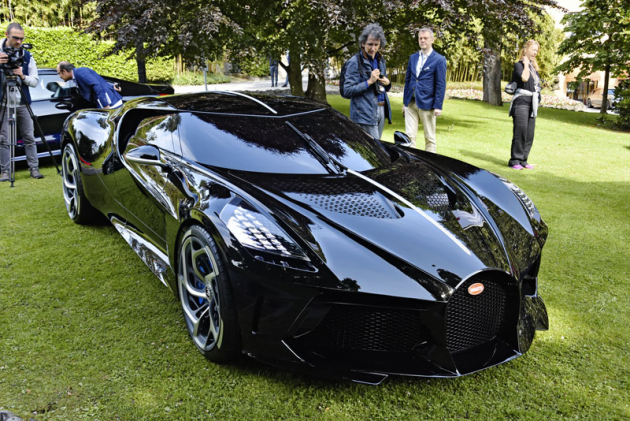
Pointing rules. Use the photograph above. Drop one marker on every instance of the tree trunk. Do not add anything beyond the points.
(492, 74)
(295, 70)
(141, 61)
(316, 88)
(604, 107)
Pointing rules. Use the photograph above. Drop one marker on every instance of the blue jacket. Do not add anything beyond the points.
(429, 87)
(25, 92)
(94, 88)
(363, 99)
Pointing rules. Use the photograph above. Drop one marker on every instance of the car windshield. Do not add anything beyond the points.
(270, 145)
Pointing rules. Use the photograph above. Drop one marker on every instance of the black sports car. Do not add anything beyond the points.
(292, 236)
(53, 102)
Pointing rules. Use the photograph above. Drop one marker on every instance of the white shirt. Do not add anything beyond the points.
(421, 60)
(31, 80)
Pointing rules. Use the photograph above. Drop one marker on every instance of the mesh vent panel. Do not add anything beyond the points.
(341, 196)
(476, 319)
(367, 329)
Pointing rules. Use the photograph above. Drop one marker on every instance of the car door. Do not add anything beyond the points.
(149, 156)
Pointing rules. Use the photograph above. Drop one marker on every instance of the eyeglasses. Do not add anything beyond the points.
(17, 38)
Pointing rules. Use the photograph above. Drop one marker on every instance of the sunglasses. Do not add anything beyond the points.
(17, 38)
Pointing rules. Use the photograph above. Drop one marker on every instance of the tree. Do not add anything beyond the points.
(311, 30)
(598, 40)
(498, 18)
(194, 29)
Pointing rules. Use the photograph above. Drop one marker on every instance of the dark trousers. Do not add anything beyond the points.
(523, 134)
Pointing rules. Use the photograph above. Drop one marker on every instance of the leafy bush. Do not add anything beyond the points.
(193, 78)
(51, 45)
(622, 92)
(252, 65)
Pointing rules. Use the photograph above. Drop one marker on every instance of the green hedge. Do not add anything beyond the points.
(51, 45)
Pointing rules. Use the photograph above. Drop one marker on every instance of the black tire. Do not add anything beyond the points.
(206, 297)
(78, 206)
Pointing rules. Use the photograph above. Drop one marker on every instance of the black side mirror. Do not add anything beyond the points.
(401, 139)
(65, 105)
(53, 86)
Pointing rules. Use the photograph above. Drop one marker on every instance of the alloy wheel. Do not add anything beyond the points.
(70, 174)
(199, 292)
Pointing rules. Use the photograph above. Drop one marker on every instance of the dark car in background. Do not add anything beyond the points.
(292, 236)
(52, 102)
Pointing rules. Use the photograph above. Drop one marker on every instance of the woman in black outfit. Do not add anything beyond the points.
(524, 105)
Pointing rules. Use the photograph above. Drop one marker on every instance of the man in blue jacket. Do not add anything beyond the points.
(91, 85)
(28, 77)
(425, 86)
(366, 83)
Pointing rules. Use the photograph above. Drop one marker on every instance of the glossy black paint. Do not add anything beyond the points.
(51, 93)
(387, 239)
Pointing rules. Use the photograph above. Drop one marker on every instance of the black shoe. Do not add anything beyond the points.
(36, 174)
(285, 85)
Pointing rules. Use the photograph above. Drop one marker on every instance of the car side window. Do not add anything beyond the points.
(44, 89)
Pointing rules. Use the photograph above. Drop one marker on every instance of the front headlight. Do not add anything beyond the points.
(522, 197)
(257, 233)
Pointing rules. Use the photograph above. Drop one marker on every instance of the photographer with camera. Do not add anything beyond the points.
(365, 82)
(16, 61)
(91, 85)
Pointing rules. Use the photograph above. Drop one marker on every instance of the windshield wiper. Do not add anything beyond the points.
(327, 161)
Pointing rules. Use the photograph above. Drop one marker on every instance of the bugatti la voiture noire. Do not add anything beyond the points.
(290, 235)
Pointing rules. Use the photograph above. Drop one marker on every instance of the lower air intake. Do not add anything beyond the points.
(362, 328)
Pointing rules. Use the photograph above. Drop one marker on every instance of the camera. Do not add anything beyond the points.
(15, 58)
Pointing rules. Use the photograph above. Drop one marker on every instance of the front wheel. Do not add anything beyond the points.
(77, 205)
(206, 297)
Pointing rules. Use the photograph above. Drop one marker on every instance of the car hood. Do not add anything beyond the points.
(409, 214)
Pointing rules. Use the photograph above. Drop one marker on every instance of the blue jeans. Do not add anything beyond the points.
(376, 131)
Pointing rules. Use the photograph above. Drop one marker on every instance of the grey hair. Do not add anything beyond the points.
(427, 29)
(373, 30)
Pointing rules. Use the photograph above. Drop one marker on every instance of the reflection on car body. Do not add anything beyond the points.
(290, 235)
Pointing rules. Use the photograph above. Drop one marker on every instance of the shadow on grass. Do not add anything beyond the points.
(483, 157)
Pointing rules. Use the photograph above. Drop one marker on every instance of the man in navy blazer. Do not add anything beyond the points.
(425, 86)
(91, 85)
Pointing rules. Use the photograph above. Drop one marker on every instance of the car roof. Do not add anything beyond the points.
(243, 103)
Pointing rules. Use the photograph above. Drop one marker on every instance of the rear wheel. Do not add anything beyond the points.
(206, 297)
(77, 205)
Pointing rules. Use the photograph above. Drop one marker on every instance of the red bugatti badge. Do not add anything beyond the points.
(475, 289)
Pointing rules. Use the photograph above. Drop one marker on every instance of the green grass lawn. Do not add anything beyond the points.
(87, 332)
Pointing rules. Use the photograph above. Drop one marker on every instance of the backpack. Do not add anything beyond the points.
(342, 76)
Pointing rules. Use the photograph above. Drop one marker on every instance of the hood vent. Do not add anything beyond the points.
(341, 195)
(419, 184)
